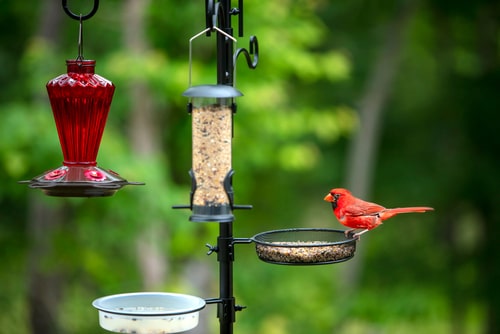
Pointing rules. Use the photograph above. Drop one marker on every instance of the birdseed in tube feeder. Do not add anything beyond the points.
(212, 132)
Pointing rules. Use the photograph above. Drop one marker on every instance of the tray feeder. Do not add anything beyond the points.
(304, 246)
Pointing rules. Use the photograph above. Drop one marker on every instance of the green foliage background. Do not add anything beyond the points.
(439, 146)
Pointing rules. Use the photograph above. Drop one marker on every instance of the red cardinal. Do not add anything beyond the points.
(358, 214)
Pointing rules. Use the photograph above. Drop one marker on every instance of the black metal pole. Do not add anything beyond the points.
(225, 45)
(225, 255)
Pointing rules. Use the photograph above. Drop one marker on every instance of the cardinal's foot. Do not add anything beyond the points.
(358, 235)
(349, 234)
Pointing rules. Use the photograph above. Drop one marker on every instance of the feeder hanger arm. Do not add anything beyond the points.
(254, 50)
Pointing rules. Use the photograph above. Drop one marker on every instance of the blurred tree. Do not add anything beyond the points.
(45, 285)
(143, 128)
(364, 147)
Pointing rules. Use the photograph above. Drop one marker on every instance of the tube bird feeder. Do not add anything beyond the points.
(212, 108)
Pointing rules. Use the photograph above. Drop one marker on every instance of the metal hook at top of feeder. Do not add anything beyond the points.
(212, 16)
(222, 32)
(211, 13)
(80, 18)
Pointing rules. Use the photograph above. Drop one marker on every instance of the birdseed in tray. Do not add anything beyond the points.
(304, 252)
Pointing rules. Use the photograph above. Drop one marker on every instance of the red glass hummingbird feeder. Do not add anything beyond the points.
(80, 101)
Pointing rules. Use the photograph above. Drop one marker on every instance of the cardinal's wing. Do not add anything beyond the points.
(362, 208)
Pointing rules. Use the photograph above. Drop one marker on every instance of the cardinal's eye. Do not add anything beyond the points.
(336, 196)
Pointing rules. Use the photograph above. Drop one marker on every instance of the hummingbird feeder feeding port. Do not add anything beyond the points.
(304, 246)
(78, 181)
(149, 312)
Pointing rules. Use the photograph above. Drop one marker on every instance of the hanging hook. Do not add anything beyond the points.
(80, 17)
(209, 9)
(207, 30)
(215, 15)
(80, 40)
(254, 50)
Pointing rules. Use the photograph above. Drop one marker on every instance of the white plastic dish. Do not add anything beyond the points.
(149, 312)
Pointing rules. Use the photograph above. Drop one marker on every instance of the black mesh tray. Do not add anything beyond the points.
(304, 246)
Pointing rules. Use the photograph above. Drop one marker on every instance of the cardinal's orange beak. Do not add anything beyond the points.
(329, 198)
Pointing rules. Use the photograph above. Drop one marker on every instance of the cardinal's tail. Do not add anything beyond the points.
(388, 213)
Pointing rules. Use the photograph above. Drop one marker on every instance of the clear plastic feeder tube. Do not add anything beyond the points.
(212, 131)
(211, 152)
